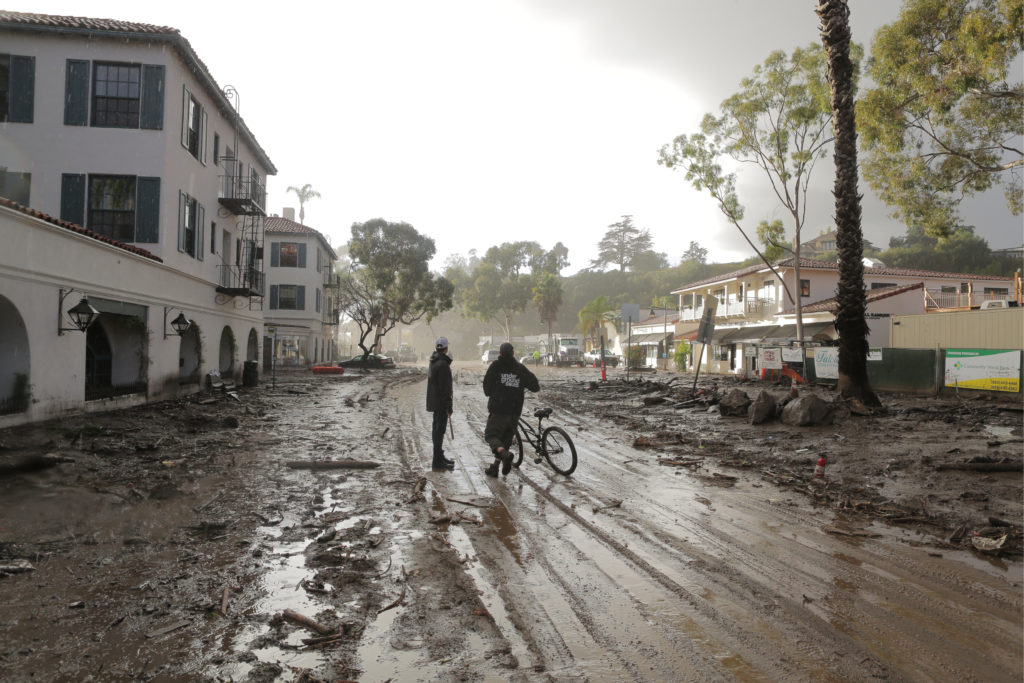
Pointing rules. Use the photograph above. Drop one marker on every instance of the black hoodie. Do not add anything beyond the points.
(439, 383)
(504, 383)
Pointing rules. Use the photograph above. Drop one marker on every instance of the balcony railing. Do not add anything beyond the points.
(936, 300)
(242, 195)
(240, 281)
(751, 308)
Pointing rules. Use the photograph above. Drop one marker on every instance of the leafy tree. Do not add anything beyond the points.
(680, 354)
(942, 122)
(773, 237)
(779, 121)
(695, 253)
(594, 315)
(648, 261)
(389, 281)
(304, 193)
(625, 246)
(553, 261)
(547, 296)
(960, 252)
(851, 298)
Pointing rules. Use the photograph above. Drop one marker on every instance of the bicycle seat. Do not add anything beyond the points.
(543, 412)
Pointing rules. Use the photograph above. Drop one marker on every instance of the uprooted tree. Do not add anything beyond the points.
(389, 281)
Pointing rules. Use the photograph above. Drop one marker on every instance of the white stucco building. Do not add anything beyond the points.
(133, 182)
(302, 307)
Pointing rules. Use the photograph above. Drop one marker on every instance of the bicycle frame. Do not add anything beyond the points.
(530, 435)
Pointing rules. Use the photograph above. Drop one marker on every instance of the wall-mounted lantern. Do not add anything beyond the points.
(81, 314)
(180, 324)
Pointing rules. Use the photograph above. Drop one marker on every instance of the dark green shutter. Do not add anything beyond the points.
(22, 89)
(200, 231)
(181, 221)
(72, 198)
(273, 296)
(185, 96)
(202, 137)
(147, 210)
(300, 298)
(302, 256)
(76, 93)
(151, 115)
(275, 254)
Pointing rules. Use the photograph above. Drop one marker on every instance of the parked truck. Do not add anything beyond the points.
(566, 352)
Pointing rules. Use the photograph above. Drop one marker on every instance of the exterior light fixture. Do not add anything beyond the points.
(81, 315)
(180, 324)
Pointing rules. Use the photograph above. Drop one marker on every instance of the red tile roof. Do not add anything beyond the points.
(278, 225)
(73, 227)
(811, 264)
(872, 295)
(27, 21)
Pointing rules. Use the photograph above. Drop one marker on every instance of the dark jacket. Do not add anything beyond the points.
(439, 383)
(504, 383)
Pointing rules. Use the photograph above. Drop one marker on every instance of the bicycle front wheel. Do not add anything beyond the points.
(559, 450)
(517, 450)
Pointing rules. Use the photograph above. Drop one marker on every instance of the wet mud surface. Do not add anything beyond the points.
(192, 540)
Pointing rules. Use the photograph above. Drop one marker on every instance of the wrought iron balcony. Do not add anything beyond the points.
(240, 281)
(241, 195)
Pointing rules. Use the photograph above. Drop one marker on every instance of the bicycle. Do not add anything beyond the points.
(552, 444)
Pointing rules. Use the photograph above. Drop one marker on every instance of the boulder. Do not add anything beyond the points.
(762, 409)
(734, 404)
(807, 411)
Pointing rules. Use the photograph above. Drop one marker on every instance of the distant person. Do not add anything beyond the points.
(504, 384)
(439, 401)
(536, 357)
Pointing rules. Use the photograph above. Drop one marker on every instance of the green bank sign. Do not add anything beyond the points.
(989, 370)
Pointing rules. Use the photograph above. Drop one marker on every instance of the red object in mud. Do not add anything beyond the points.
(819, 469)
(328, 370)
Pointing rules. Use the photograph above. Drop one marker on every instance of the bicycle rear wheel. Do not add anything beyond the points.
(559, 450)
(517, 450)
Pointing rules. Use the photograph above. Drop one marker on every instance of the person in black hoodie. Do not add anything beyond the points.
(504, 384)
(439, 401)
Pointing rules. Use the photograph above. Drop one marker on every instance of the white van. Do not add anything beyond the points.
(489, 356)
(994, 303)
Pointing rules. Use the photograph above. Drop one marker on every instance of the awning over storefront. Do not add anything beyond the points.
(787, 333)
(650, 339)
(746, 335)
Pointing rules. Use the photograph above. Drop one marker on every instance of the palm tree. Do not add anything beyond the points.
(594, 315)
(304, 193)
(834, 16)
(547, 295)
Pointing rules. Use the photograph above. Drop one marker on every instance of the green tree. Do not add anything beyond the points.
(695, 253)
(304, 193)
(547, 296)
(961, 251)
(389, 281)
(773, 237)
(626, 246)
(594, 315)
(779, 121)
(943, 122)
(500, 286)
(851, 322)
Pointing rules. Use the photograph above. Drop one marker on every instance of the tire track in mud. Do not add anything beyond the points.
(844, 635)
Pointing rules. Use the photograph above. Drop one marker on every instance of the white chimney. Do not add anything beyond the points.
(288, 212)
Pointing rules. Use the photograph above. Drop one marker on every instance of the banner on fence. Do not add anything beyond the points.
(769, 358)
(990, 370)
(793, 354)
(826, 362)
(874, 354)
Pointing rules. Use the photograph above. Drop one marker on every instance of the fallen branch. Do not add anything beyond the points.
(386, 570)
(466, 502)
(680, 463)
(982, 466)
(613, 504)
(332, 464)
(224, 602)
(857, 533)
(467, 518)
(208, 503)
(401, 597)
(302, 619)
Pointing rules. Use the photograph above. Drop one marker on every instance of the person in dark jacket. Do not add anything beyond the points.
(439, 401)
(504, 384)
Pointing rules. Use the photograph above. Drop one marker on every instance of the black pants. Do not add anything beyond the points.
(499, 431)
(437, 434)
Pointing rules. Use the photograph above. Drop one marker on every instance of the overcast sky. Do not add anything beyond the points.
(486, 121)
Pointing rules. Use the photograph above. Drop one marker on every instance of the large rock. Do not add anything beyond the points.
(807, 411)
(762, 409)
(734, 404)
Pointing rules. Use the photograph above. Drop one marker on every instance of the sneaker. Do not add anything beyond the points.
(442, 465)
(492, 471)
(448, 461)
(506, 460)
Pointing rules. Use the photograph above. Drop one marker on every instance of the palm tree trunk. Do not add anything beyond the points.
(834, 16)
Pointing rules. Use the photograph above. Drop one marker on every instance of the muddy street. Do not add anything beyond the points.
(199, 540)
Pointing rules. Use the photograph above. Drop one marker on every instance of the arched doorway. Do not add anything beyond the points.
(14, 360)
(252, 349)
(226, 360)
(189, 355)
